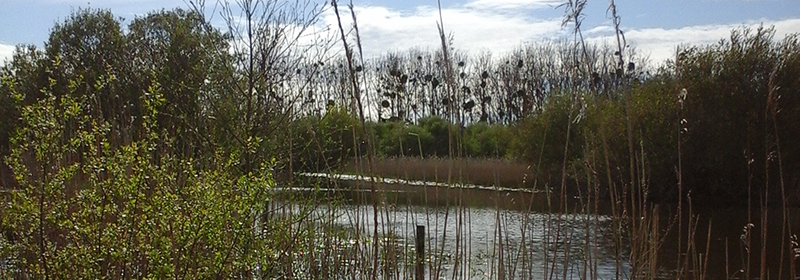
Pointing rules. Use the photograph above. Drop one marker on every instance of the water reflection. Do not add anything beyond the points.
(480, 233)
(483, 234)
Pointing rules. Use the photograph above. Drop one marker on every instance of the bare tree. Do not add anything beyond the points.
(272, 43)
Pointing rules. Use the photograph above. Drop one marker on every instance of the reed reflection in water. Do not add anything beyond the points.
(477, 233)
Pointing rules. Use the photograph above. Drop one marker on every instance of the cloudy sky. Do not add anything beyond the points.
(655, 27)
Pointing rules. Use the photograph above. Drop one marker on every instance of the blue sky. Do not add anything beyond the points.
(654, 27)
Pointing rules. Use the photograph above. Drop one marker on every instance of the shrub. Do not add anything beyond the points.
(88, 210)
(484, 140)
(742, 103)
(541, 138)
(739, 113)
(401, 139)
(440, 130)
(326, 142)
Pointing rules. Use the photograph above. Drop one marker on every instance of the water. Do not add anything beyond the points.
(476, 232)
(483, 236)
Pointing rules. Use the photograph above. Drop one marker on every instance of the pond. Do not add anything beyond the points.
(475, 232)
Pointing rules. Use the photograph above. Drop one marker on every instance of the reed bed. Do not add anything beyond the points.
(478, 171)
(612, 231)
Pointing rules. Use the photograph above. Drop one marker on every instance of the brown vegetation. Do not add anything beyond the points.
(478, 171)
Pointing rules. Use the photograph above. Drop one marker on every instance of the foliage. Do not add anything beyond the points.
(649, 113)
(326, 142)
(123, 212)
(400, 139)
(487, 140)
(441, 131)
(541, 138)
(183, 53)
(433, 137)
(126, 158)
(742, 104)
(740, 107)
(88, 52)
(148, 151)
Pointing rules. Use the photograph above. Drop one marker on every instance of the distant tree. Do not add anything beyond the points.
(186, 56)
(88, 52)
(22, 78)
(271, 41)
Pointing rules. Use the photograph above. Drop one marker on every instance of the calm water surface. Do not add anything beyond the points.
(481, 233)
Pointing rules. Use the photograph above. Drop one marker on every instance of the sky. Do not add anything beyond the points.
(654, 27)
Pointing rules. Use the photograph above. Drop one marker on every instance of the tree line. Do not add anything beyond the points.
(233, 91)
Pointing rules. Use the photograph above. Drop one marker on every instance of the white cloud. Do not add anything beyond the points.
(512, 4)
(92, 3)
(493, 28)
(383, 30)
(599, 30)
(6, 51)
(661, 43)
(498, 26)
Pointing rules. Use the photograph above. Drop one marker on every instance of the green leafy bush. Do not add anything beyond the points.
(440, 131)
(489, 141)
(85, 209)
(328, 142)
(733, 124)
(742, 111)
(541, 138)
(400, 139)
